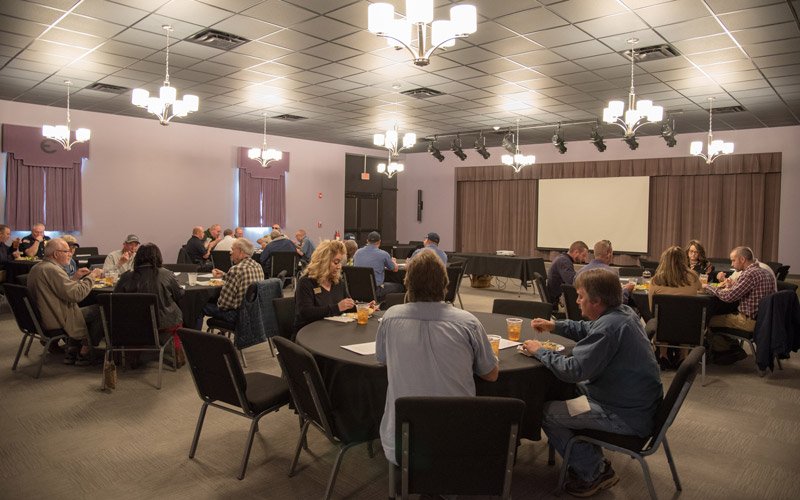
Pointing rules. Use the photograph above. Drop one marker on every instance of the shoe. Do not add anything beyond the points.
(71, 356)
(604, 481)
(84, 360)
(664, 363)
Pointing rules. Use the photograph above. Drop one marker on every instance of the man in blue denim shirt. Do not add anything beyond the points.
(370, 255)
(614, 367)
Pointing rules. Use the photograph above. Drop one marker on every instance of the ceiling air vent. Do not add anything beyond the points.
(421, 92)
(729, 109)
(106, 87)
(652, 53)
(289, 118)
(217, 39)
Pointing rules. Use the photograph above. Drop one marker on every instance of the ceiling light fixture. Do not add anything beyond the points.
(411, 33)
(517, 161)
(508, 142)
(668, 133)
(166, 106)
(558, 140)
(638, 113)
(631, 141)
(434, 150)
(480, 147)
(456, 148)
(389, 140)
(715, 148)
(597, 139)
(390, 168)
(263, 155)
(62, 134)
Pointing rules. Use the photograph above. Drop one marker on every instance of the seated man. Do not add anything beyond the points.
(431, 243)
(238, 232)
(197, 251)
(226, 242)
(242, 273)
(121, 261)
(429, 348)
(33, 244)
(7, 252)
(603, 257)
(562, 269)
(304, 246)
(279, 243)
(370, 255)
(614, 367)
(57, 297)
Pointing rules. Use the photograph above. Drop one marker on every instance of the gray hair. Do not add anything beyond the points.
(51, 248)
(602, 248)
(244, 245)
(744, 252)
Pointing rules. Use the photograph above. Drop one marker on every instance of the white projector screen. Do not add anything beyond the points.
(593, 209)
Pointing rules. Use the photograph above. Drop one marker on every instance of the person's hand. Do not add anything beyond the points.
(125, 257)
(217, 273)
(374, 305)
(80, 273)
(95, 273)
(543, 325)
(346, 304)
(531, 346)
(629, 286)
(721, 277)
(40, 238)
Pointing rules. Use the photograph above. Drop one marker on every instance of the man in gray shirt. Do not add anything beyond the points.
(429, 348)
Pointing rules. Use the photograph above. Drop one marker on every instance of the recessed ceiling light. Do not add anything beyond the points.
(496, 127)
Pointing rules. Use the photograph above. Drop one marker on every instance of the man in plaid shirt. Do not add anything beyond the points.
(753, 284)
(243, 272)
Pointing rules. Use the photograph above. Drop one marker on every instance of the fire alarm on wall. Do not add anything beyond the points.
(319, 195)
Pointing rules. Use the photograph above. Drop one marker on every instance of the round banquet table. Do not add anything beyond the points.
(357, 383)
(18, 267)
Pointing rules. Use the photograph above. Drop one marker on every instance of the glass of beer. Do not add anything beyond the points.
(513, 328)
(362, 313)
(494, 340)
(704, 279)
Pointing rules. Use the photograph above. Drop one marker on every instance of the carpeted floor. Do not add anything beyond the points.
(736, 438)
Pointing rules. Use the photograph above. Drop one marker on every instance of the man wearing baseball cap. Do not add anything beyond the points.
(370, 255)
(120, 261)
(431, 243)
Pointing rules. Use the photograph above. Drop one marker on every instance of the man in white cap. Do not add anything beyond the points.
(120, 261)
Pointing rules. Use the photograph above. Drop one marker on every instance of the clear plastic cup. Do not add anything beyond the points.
(362, 314)
(494, 340)
(513, 328)
(192, 278)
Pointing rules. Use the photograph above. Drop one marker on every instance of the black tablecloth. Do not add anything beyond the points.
(521, 268)
(357, 384)
(403, 251)
(16, 268)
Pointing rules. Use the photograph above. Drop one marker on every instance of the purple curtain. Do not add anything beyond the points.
(262, 191)
(24, 194)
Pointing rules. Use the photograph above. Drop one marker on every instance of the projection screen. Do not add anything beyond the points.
(592, 209)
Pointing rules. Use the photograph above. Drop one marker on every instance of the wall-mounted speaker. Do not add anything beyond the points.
(419, 205)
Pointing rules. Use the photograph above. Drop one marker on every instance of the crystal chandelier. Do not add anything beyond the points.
(390, 168)
(411, 33)
(389, 140)
(263, 155)
(166, 106)
(517, 161)
(61, 133)
(715, 148)
(639, 112)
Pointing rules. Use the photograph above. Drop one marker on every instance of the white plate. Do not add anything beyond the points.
(521, 350)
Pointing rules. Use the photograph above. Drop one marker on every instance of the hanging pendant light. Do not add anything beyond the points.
(390, 141)
(390, 168)
(62, 134)
(166, 106)
(714, 148)
(517, 160)
(263, 155)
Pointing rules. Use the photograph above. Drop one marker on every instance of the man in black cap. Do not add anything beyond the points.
(379, 260)
(431, 243)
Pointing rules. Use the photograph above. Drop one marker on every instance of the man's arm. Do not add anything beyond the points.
(30, 248)
(588, 359)
(492, 375)
(736, 290)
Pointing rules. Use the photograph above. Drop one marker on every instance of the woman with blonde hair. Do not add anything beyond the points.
(320, 292)
(672, 277)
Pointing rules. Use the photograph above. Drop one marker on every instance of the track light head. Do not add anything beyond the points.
(509, 144)
(668, 133)
(434, 151)
(597, 139)
(558, 140)
(456, 148)
(631, 141)
(480, 147)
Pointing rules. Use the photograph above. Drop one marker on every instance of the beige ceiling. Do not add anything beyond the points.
(542, 62)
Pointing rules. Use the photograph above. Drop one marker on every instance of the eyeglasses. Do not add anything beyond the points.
(65, 251)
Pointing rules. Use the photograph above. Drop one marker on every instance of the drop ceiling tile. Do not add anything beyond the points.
(602, 61)
(512, 46)
(704, 44)
(774, 32)
(279, 12)
(793, 69)
(536, 58)
(517, 75)
(366, 78)
(331, 51)
(367, 62)
(292, 40)
(247, 27)
(30, 11)
(302, 61)
(214, 68)
(560, 68)
(704, 26)
(772, 48)
(576, 11)
(468, 55)
(362, 41)
(193, 12)
(41, 47)
(327, 29)
(619, 42)
(195, 50)
(531, 20)
(672, 12)
(72, 38)
(336, 70)
(21, 27)
(496, 66)
(582, 49)
(260, 50)
(613, 25)
(578, 78)
(310, 77)
(717, 56)
(735, 76)
(556, 37)
(759, 16)
(776, 60)
(142, 38)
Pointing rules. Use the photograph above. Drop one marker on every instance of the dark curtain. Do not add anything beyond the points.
(262, 201)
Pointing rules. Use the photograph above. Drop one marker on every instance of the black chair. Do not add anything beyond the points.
(774, 266)
(22, 279)
(651, 265)
(221, 383)
(434, 457)
(284, 261)
(312, 403)
(540, 285)
(570, 302)
(221, 260)
(183, 256)
(393, 299)
(285, 312)
(522, 308)
(94, 260)
(641, 447)
(781, 273)
(681, 322)
(785, 285)
(182, 268)
(630, 272)
(27, 316)
(455, 274)
(130, 324)
(83, 253)
(360, 283)
(642, 301)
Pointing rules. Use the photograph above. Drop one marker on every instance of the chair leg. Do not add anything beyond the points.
(19, 352)
(271, 348)
(392, 481)
(335, 471)
(562, 477)
(45, 352)
(248, 446)
(551, 455)
(647, 478)
(370, 449)
(103, 372)
(244, 361)
(672, 465)
(778, 360)
(299, 447)
(197, 429)
(160, 367)
(702, 371)
(30, 343)
(458, 294)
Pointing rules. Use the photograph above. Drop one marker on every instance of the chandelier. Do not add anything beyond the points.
(263, 155)
(639, 112)
(715, 148)
(411, 33)
(390, 168)
(61, 133)
(166, 106)
(389, 140)
(517, 160)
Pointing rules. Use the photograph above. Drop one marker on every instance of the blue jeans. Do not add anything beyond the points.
(211, 309)
(585, 459)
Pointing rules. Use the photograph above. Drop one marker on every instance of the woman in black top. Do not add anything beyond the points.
(696, 256)
(320, 292)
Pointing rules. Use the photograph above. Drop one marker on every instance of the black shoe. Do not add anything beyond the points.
(71, 356)
(664, 363)
(605, 480)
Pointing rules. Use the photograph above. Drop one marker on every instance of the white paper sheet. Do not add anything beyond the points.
(207, 275)
(577, 406)
(364, 349)
(505, 343)
(340, 319)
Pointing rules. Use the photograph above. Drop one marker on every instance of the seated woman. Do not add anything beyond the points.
(320, 292)
(148, 276)
(672, 277)
(698, 262)
(351, 247)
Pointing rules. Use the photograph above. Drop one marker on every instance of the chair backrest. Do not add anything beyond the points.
(85, 252)
(393, 299)
(455, 274)
(22, 279)
(183, 256)
(774, 266)
(681, 319)
(284, 313)
(221, 259)
(536, 265)
(23, 308)
(217, 373)
(652, 265)
(642, 301)
(182, 268)
(671, 404)
(522, 308)
(440, 460)
(781, 273)
(418, 244)
(305, 383)
(570, 302)
(283, 261)
(540, 285)
(785, 285)
(360, 282)
(129, 319)
(95, 259)
(630, 271)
